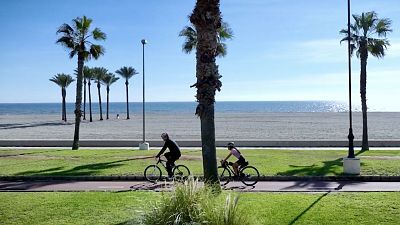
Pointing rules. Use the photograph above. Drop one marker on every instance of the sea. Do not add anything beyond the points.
(179, 107)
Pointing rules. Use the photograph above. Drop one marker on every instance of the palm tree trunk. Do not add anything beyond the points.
(127, 100)
(62, 104)
(64, 110)
(98, 91)
(84, 99)
(363, 93)
(108, 99)
(207, 19)
(90, 103)
(78, 102)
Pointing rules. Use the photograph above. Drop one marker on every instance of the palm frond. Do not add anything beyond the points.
(98, 34)
(383, 27)
(63, 80)
(96, 51)
(72, 53)
(225, 32)
(126, 72)
(109, 79)
(66, 29)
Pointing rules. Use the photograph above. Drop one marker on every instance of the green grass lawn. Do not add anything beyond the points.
(265, 208)
(62, 162)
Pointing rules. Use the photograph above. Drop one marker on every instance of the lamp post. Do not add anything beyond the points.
(144, 145)
(351, 164)
(350, 136)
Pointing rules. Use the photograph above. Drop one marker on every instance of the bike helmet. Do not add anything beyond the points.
(164, 135)
(231, 144)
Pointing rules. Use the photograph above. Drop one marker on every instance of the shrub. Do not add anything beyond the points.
(190, 204)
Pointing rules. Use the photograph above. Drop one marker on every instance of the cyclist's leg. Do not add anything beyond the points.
(169, 164)
(235, 167)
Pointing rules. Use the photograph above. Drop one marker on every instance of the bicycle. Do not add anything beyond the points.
(153, 172)
(248, 175)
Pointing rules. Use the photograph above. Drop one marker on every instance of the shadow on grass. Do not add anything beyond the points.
(308, 208)
(328, 167)
(82, 170)
(29, 153)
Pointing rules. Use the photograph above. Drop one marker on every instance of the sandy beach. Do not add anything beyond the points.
(186, 126)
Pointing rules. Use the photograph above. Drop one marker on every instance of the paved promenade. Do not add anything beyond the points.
(270, 186)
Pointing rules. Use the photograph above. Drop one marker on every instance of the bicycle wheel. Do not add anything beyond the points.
(224, 175)
(181, 172)
(249, 175)
(152, 173)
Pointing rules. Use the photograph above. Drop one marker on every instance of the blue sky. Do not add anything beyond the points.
(282, 50)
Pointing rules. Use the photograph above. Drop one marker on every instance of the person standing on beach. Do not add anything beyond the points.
(173, 154)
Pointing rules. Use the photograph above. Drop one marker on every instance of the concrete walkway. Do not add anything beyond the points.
(271, 186)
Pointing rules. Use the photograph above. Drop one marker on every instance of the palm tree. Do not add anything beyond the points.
(108, 80)
(63, 80)
(224, 33)
(206, 18)
(127, 73)
(86, 70)
(363, 40)
(99, 74)
(76, 38)
(88, 76)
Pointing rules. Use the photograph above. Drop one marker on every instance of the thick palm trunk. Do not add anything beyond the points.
(78, 102)
(64, 108)
(207, 19)
(127, 100)
(363, 93)
(90, 103)
(84, 99)
(108, 100)
(98, 91)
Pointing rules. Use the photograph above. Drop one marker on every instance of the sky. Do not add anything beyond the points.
(281, 51)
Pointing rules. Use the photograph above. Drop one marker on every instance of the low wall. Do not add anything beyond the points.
(196, 143)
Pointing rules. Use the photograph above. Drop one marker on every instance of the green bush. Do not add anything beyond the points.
(190, 204)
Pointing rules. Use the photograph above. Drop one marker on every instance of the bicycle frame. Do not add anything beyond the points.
(230, 168)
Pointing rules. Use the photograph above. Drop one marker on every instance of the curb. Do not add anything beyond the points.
(262, 178)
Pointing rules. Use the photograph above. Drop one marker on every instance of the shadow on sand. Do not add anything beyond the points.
(30, 125)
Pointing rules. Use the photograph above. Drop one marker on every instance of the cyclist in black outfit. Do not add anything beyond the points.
(173, 154)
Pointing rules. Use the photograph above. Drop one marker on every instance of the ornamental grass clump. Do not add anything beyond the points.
(190, 204)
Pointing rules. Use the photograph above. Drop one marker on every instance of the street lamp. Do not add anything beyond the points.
(144, 145)
(351, 164)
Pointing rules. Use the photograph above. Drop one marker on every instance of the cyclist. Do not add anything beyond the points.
(173, 154)
(235, 152)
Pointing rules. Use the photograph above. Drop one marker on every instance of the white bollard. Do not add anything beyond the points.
(144, 146)
(351, 166)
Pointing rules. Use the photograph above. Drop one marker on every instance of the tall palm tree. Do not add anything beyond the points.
(206, 18)
(224, 33)
(86, 70)
(367, 35)
(63, 80)
(127, 73)
(88, 76)
(76, 38)
(108, 80)
(99, 74)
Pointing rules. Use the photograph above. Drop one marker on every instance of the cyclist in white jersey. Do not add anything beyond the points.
(235, 152)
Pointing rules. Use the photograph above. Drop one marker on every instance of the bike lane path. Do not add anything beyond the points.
(263, 186)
